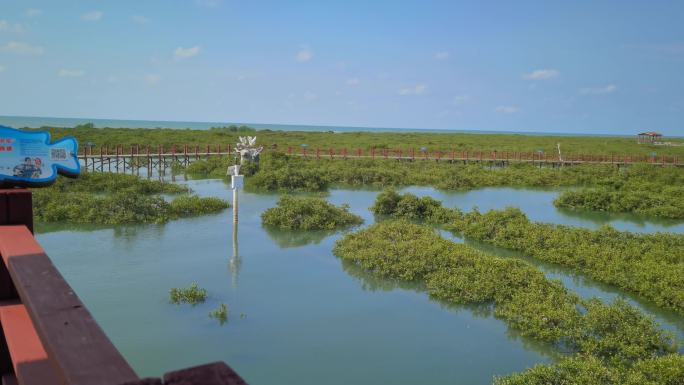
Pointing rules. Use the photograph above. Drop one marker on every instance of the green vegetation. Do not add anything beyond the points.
(650, 265)
(366, 140)
(111, 199)
(214, 167)
(637, 190)
(110, 183)
(186, 206)
(280, 172)
(308, 213)
(589, 370)
(192, 295)
(617, 334)
(220, 313)
(409, 206)
(642, 189)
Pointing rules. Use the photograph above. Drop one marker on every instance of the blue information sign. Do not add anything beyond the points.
(27, 158)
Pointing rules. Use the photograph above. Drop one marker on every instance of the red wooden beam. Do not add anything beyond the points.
(29, 359)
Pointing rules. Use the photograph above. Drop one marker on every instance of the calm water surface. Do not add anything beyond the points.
(297, 314)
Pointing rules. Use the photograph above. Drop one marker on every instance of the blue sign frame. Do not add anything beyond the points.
(28, 159)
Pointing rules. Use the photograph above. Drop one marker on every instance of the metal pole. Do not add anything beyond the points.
(235, 206)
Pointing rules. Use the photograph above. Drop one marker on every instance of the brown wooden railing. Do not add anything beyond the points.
(47, 335)
(149, 155)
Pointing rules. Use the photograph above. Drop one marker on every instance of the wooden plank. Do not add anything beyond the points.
(216, 373)
(75, 343)
(29, 359)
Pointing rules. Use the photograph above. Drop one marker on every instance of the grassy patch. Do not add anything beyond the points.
(192, 295)
(220, 313)
(308, 213)
(113, 199)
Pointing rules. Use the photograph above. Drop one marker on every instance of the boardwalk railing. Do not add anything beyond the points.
(500, 157)
(134, 158)
(47, 335)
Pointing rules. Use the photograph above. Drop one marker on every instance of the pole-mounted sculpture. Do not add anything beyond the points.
(247, 149)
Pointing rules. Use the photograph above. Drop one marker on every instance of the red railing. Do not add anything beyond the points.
(198, 152)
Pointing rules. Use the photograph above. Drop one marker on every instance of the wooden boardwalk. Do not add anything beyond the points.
(159, 159)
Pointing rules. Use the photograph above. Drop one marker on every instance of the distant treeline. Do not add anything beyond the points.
(366, 140)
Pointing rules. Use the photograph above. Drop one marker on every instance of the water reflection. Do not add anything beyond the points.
(297, 238)
(586, 287)
(235, 260)
(605, 218)
(128, 232)
(373, 282)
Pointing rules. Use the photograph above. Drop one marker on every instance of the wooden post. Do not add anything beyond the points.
(109, 160)
(161, 163)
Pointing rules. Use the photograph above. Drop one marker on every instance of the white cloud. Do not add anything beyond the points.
(460, 99)
(610, 88)
(152, 79)
(506, 109)
(22, 48)
(353, 82)
(310, 96)
(139, 19)
(33, 12)
(9, 27)
(2, 68)
(442, 55)
(418, 89)
(543, 74)
(92, 16)
(66, 73)
(304, 55)
(184, 53)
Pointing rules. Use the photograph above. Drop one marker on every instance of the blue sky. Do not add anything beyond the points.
(572, 66)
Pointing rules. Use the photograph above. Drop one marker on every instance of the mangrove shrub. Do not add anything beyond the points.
(617, 334)
(308, 213)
